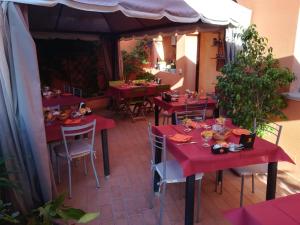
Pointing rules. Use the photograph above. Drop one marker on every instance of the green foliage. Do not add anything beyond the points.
(55, 210)
(7, 214)
(248, 88)
(44, 215)
(134, 61)
(145, 76)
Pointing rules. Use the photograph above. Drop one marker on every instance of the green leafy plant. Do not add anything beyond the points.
(248, 89)
(134, 61)
(52, 212)
(55, 211)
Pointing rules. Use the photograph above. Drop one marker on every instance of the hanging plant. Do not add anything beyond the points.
(248, 89)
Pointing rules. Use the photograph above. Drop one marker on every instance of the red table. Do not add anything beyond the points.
(124, 91)
(62, 101)
(179, 105)
(53, 133)
(281, 211)
(194, 158)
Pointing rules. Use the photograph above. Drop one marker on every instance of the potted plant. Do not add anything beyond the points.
(248, 89)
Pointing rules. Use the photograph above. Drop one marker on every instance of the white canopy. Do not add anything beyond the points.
(136, 15)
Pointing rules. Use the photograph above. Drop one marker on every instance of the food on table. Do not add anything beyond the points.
(180, 138)
(240, 131)
(82, 111)
(72, 121)
(64, 115)
(193, 124)
(222, 135)
(207, 133)
(221, 120)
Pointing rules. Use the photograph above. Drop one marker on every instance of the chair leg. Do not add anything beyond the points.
(198, 201)
(162, 204)
(58, 169)
(253, 183)
(70, 178)
(84, 163)
(242, 190)
(152, 194)
(164, 120)
(217, 182)
(94, 169)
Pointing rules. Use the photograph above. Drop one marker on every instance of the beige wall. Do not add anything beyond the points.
(278, 21)
(207, 70)
(128, 45)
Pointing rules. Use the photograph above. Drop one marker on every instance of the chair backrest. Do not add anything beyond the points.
(157, 143)
(273, 129)
(161, 88)
(72, 131)
(67, 88)
(192, 111)
(54, 108)
(113, 83)
(77, 92)
(138, 92)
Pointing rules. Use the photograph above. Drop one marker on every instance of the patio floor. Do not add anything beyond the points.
(123, 198)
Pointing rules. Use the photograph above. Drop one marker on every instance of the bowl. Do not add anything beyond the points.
(222, 136)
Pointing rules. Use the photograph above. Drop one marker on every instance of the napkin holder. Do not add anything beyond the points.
(247, 140)
(219, 150)
(166, 97)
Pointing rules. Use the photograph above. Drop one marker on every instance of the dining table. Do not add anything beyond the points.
(62, 100)
(124, 90)
(194, 158)
(283, 210)
(179, 105)
(54, 134)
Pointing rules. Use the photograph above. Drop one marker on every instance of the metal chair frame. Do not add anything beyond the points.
(71, 131)
(158, 143)
(192, 111)
(271, 128)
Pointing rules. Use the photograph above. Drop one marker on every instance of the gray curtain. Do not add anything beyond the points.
(22, 139)
(111, 56)
(233, 42)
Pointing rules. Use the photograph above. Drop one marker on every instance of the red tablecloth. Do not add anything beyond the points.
(62, 101)
(195, 158)
(53, 131)
(281, 211)
(180, 104)
(124, 91)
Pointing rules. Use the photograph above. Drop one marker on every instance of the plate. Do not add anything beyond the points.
(240, 131)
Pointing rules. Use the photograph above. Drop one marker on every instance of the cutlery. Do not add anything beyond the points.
(191, 142)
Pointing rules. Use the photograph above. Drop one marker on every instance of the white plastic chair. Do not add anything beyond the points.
(169, 171)
(76, 148)
(272, 129)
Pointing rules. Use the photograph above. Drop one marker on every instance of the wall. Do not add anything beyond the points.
(207, 62)
(128, 45)
(278, 21)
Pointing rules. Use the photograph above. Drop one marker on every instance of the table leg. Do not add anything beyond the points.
(156, 115)
(105, 152)
(156, 178)
(189, 200)
(174, 122)
(271, 180)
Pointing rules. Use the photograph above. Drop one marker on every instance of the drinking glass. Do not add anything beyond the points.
(206, 139)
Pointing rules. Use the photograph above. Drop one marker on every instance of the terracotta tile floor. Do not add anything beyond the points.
(123, 198)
